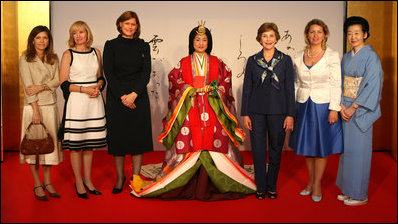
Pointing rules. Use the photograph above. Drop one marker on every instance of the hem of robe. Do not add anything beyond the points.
(198, 177)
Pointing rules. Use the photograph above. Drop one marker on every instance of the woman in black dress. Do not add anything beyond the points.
(127, 67)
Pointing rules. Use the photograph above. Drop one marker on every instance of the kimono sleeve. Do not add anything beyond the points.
(369, 92)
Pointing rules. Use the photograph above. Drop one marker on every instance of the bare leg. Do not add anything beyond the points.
(47, 178)
(119, 165)
(87, 164)
(320, 165)
(36, 178)
(76, 162)
(137, 161)
(310, 161)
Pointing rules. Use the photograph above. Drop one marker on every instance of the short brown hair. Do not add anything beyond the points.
(319, 23)
(75, 26)
(266, 27)
(126, 16)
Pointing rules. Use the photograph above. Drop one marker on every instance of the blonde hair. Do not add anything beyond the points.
(324, 28)
(74, 27)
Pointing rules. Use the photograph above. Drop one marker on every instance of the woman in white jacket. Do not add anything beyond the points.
(318, 91)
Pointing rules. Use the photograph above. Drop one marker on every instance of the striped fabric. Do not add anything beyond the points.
(85, 122)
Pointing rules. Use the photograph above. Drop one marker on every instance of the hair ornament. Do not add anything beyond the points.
(201, 27)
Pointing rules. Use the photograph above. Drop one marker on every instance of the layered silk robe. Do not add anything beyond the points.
(198, 131)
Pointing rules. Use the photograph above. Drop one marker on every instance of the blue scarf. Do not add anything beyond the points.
(268, 75)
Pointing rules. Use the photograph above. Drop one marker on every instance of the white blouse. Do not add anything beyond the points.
(322, 82)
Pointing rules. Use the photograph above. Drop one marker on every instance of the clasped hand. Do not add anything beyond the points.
(129, 100)
(92, 91)
(203, 90)
(347, 113)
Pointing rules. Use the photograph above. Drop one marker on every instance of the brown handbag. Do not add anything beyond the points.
(37, 146)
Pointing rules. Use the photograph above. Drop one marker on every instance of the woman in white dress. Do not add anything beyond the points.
(83, 124)
(38, 67)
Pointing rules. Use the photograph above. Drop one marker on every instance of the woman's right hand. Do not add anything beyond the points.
(247, 122)
(36, 113)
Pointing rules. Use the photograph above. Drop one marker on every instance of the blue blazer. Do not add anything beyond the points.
(265, 98)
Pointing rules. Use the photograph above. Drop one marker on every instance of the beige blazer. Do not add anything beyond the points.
(39, 73)
(322, 82)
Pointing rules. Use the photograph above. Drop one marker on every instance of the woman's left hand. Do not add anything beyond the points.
(34, 89)
(288, 123)
(333, 117)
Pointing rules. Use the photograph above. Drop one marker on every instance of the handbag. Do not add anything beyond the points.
(37, 146)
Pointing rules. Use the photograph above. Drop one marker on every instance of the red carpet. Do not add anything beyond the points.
(18, 203)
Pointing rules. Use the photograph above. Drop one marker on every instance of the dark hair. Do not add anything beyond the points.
(354, 20)
(30, 53)
(126, 16)
(267, 27)
(324, 28)
(192, 36)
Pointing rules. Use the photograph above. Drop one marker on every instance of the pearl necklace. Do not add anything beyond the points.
(308, 54)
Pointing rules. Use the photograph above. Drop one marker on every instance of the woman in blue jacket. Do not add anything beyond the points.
(268, 107)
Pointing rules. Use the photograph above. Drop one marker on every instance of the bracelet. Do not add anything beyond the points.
(80, 89)
(355, 107)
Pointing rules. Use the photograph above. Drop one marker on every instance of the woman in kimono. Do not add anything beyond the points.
(360, 103)
(200, 131)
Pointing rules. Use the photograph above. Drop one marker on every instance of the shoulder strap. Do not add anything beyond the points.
(71, 57)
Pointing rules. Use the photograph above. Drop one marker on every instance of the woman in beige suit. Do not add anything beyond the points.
(39, 72)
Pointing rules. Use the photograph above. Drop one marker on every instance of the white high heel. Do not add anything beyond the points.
(316, 198)
(305, 192)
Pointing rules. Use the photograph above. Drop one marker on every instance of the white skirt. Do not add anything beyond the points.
(49, 117)
(85, 123)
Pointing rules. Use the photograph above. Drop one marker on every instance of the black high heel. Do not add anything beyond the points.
(52, 194)
(118, 190)
(41, 198)
(95, 191)
(260, 196)
(84, 195)
(272, 195)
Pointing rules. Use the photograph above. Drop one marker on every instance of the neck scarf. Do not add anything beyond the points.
(268, 75)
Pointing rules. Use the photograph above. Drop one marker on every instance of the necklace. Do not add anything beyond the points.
(308, 53)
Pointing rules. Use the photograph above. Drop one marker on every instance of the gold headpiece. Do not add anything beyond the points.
(202, 28)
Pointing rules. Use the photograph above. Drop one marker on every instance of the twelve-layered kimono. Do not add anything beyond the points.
(363, 80)
(201, 134)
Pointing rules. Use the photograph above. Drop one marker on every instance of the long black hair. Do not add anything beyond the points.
(192, 36)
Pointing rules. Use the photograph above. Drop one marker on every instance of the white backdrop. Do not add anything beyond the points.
(166, 25)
